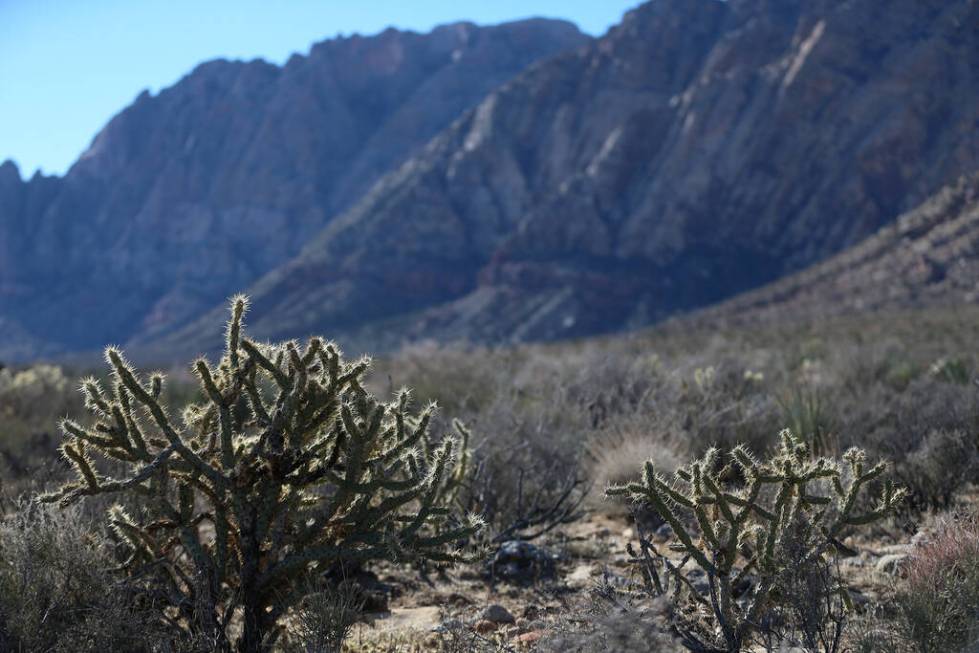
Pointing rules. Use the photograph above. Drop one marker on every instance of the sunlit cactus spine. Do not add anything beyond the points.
(741, 527)
(288, 467)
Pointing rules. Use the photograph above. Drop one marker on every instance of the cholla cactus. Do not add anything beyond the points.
(288, 467)
(740, 530)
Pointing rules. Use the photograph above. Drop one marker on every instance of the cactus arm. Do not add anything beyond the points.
(72, 428)
(224, 412)
(651, 489)
(152, 405)
(262, 361)
(434, 483)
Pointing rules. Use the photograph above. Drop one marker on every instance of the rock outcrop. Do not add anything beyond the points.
(699, 149)
(192, 194)
(928, 258)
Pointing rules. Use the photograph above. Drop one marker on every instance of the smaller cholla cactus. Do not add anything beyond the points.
(288, 468)
(744, 512)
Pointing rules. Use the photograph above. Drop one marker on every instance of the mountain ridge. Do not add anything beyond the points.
(189, 194)
(697, 150)
(927, 258)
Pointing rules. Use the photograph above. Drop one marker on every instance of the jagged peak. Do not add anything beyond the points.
(252, 157)
(655, 16)
(10, 171)
(655, 8)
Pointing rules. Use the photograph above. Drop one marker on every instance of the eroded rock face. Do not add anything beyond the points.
(189, 195)
(929, 257)
(700, 149)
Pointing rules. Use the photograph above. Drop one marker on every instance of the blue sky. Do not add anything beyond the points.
(67, 66)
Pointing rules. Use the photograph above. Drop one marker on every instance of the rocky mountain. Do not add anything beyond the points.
(928, 258)
(192, 194)
(699, 149)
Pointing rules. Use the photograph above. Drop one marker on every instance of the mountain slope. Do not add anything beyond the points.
(929, 257)
(190, 195)
(700, 149)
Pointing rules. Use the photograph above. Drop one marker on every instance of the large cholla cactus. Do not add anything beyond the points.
(287, 468)
(741, 529)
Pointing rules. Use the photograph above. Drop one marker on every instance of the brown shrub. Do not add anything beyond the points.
(57, 591)
(613, 462)
(939, 605)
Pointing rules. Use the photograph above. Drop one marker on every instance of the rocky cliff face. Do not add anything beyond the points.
(192, 194)
(929, 257)
(699, 149)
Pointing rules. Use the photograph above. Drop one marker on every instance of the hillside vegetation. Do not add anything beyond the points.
(557, 565)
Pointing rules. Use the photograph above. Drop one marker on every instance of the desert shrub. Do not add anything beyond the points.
(928, 431)
(545, 420)
(925, 404)
(525, 474)
(31, 400)
(808, 607)
(288, 468)
(620, 629)
(939, 604)
(321, 621)
(743, 530)
(34, 391)
(58, 591)
(477, 376)
(803, 411)
(523, 495)
(721, 407)
(613, 462)
(523, 479)
(861, 365)
(943, 463)
(950, 370)
(874, 630)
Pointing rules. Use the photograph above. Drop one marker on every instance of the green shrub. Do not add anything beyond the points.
(744, 528)
(950, 370)
(31, 399)
(803, 411)
(288, 468)
(34, 391)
